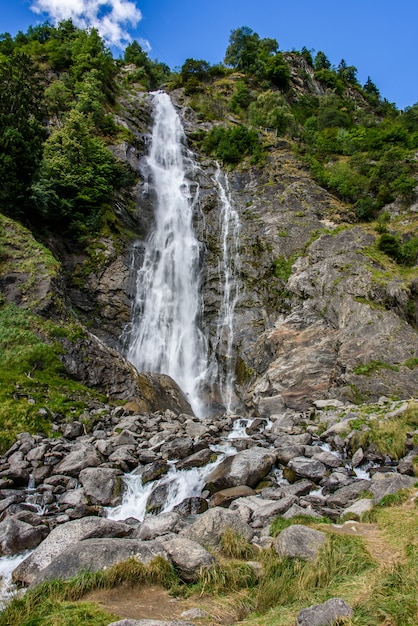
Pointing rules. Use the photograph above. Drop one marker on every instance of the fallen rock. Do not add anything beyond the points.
(325, 614)
(386, 484)
(95, 554)
(102, 485)
(248, 467)
(188, 557)
(60, 538)
(299, 541)
(82, 455)
(17, 535)
(155, 526)
(211, 525)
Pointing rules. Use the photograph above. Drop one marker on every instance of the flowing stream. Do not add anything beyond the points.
(165, 332)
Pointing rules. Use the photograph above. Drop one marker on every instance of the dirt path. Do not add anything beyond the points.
(151, 602)
(374, 539)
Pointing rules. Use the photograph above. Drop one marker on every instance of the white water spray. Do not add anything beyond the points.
(165, 335)
(228, 268)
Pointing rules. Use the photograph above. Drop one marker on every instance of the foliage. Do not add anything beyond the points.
(151, 74)
(33, 386)
(405, 253)
(235, 546)
(388, 435)
(21, 130)
(270, 111)
(231, 145)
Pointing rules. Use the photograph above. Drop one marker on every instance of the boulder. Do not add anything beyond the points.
(386, 484)
(300, 541)
(255, 509)
(81, 455)
(17, 535)
(356, 510)
(308, 468)
(226, 496)
(60, 538)
(248, 467)
(325, 614)
(347, 495)
(156, 526)
(95, 554)
(209, 527)
(102, 485)
(189, 557)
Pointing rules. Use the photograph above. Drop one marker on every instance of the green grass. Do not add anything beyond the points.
(389, 435)
(367, 369)
(34, 385)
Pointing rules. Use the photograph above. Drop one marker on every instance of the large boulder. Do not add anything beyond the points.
(326, 614)
(189, 557)
(63, 537)
(81, 455)
(102, 485)
(155, 526)
(17, 535)
(308, 468)
(387, 484)
(209, 527)
(95, 554)
(248, 467)
(300, 541)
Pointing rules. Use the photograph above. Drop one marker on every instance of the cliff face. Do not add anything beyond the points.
(320, 314)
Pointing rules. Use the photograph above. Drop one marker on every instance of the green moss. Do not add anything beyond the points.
(374, 366)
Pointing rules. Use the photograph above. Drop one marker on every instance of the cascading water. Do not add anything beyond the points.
(165, 335)
(228, 269)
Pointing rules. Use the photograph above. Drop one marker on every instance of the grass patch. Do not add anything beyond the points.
(388, 435)
(34, 386)
(286, 581)
(280, 523)
(374, 366)
(235, 546)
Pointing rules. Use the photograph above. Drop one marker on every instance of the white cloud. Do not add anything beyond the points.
(112, 18)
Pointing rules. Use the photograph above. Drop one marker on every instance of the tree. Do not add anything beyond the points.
(271, 111)
(21, 131)
(321, 62)
(243, 49)
(371, 89)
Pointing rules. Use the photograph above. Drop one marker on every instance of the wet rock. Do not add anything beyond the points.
(179, 448)
(188, 557)
(157, 498)
(198, 459)
(102, 485)
(299, 541)
(287, 453)
(211, 525)
(192, 506)
(154, 471)
(330, 612)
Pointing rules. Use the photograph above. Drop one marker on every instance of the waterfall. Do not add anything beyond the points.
(164, 334)
(228, 269)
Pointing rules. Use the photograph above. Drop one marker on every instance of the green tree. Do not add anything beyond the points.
(270, 111)
(243, 49)
(321, 61)
(21, 131)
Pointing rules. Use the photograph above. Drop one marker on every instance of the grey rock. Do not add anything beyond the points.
(150, 622)
(299, 541)
(247, 467)
(325, 614)
(102, 485)
(308, 468)
(356, 510)
(72, 430)
(82, 455)
(17, 535)
(386, 484)
(61, 538)
(189, 557)
(254, 508)
(346, 495)
(95, 554)
(156, 526)
(209, 527)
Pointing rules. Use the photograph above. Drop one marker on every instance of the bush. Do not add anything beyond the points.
(231, 145)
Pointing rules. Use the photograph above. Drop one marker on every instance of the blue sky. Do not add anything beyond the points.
(378, 37)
